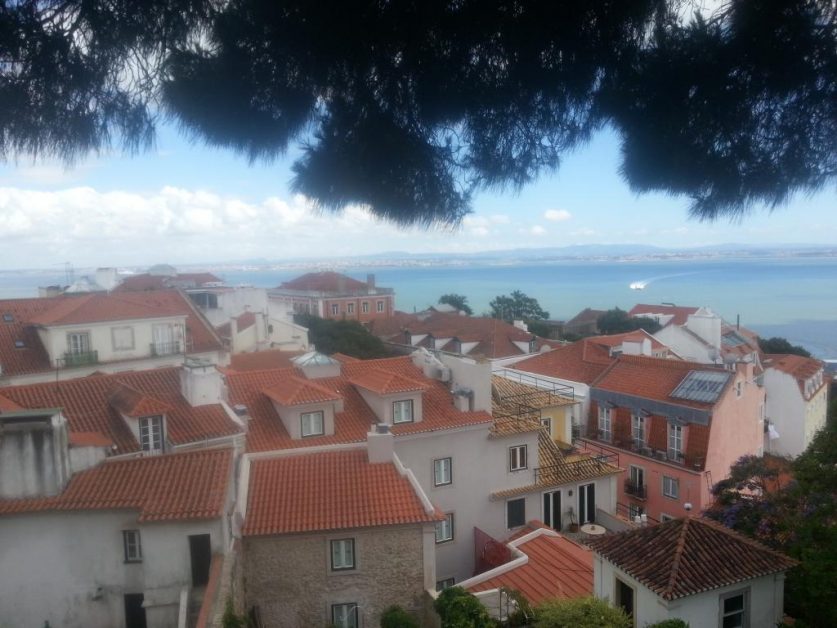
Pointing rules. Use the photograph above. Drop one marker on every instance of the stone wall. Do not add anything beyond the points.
(290, 579)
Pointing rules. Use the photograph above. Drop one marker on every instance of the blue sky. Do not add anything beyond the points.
(184, 203)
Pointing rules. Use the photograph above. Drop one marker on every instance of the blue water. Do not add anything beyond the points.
(791, 297)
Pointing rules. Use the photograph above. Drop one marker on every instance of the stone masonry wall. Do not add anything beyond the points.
(290, 578)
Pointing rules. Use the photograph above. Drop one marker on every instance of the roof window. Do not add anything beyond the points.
(8, 317)
(19, 344)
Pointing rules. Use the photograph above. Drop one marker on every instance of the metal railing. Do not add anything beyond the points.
(624, 511)
(166, 348)
(82, 358)
(575, 468)
(636, 490)
(543, 385)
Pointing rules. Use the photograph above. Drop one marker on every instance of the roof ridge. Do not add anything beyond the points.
(741, 537)
(678, 555)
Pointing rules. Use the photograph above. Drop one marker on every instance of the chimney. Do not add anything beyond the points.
(370, 283)
(380, 444)
(233, 333)
(200, 382)
(463, 400)
(107, 278)
(34, 454)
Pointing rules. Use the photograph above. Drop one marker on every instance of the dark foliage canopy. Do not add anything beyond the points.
(781, 345)
(410, 107)
(617, 321)
(459, 301)
(348, 337)
(517, 307)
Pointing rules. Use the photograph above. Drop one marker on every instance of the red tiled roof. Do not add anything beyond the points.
(85, 402)
(387, 383)
(680, 314)
(243, 321)
(89, 439)
(295, 391)
(582, 361)
(134, 403)
(585, 317)
(652, 378)
(688, 556)
(638, 335)
(327, 281)
(328, 491)
(182, 486)
(91, 308)
(557, 568)
(7, 405)
(267, 432)
(797, 366)
(133, 283)
(261, 360)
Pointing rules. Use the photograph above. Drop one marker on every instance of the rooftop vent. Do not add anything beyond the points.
(240, 409)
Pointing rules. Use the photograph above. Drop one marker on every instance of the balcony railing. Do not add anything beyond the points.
(625, 512)
(579, 469)
(83, 358)
(166, 348)
(635, 490)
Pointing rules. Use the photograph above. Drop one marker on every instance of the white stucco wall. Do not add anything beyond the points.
(686, 345)
(69, 568)
(796, 420)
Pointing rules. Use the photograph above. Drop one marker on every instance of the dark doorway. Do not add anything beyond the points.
(552, 509)
(586, 503)
(134, 612)
(625, 597)
(201, 554)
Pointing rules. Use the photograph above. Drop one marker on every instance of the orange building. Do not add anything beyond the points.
(336, 296)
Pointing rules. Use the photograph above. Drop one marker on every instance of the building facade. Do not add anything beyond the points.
(336, 296)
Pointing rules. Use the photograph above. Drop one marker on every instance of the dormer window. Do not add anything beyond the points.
(151, 434)
(8, 317)
(312, 423)
(402, 411)
(19, 344)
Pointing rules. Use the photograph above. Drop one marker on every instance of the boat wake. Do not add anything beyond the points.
(642, 284)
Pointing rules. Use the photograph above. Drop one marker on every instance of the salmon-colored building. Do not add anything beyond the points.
(677, 428)
(336, 296)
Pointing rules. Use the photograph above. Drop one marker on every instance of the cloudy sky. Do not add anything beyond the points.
(183, 203)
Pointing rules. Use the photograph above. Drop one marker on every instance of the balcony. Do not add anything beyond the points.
(166, 348)
(635, 490)
(83, 358)
(583, 468)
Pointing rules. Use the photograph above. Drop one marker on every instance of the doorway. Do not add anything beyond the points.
(586, 504)
(200, 551)
(552, 509)
(625, 598)
(134, 612)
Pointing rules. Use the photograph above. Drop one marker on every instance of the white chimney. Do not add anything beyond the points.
(200, 382)
(380, 444)
(107, 278)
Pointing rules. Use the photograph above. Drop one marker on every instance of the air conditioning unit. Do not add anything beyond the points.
(645, 451)
(661, 455)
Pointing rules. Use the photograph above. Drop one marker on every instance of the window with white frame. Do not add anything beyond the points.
(312, 423)
(734, 609)
(151, 434)
(335, 309)
(350, 308)
(671, 487)
(444, 529)
(342, 554)
(344, 615)
(675, 441)
(402, 411)
(364, 307)
(447, 583)
(638, 430)
(518, 458)
(442, 471)
(123, 338)
(380, 306)
(132, 546)
(78, 342)
(516, 513)
(604, 423)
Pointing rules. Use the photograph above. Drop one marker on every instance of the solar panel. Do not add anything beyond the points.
(702, 386)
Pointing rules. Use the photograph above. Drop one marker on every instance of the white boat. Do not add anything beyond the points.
(638, 285)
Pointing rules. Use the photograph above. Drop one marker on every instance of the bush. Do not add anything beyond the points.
(459, 609)
(587, 612)
(669, 623)
(397, 617)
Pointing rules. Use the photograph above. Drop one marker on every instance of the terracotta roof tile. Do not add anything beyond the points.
(680, 314)
(797, 366)
(557, 568)
(387, 383)
(328, 491)
(86, 403)
(134, 403)
(295, 391)
(688, 556)
(266, 431)
(637, 335)
(327, 281)
(134, 283)
(581, 361)
(180, 486)
(89, 439)
(261, 360)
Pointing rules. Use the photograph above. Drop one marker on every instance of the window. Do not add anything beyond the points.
(518, 458)
(671, 487)
(151, 434)
(312, 423)
(735, 610)
(335, 309)
(344, 615)
(638, 430)
(664, 517)
(547, 423)
(447, 583)
(78, 343)
(442, 471)
(122, 337)
(364, 307)
(402, 411)
(739, 388)
(636, 483)
(20, 344)
(342, 554)
(444, 529)
(8, 317)
(516, 513)
(350, 308)
(604, 423)
(675, 441)
(635, 511)
(380, 306)
(131, 543)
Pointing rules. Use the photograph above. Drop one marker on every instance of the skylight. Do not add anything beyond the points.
(8, 317)
(702, 386)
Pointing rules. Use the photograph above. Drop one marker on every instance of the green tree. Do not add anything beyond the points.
(397, 617)
(617, 321)
(459, 301)
(459, 609)
(587, 612)
(669, 623)
(517, 307)
(413, 107)
(797, 518)
(781, 345)
(349, 337)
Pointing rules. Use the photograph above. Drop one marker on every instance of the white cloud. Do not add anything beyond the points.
(537, 230)
(585, 232)
(557, 215)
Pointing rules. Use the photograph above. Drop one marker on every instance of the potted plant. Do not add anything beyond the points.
(573, 527)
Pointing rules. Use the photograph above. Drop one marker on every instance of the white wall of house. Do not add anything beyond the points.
(69, 567)
(686, 345)
(699, 611)
(581, 393)
(797, 421)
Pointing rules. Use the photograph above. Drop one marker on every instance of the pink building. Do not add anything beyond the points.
(677, 427)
